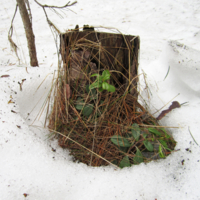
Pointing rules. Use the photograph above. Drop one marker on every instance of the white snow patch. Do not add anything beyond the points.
(169, 32)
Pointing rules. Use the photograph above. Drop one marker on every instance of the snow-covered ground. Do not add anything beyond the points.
(31, 164)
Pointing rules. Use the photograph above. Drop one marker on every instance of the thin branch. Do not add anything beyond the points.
(52, 8)
(55, 29)
(48, 6)
(49, 22)
(10, 32)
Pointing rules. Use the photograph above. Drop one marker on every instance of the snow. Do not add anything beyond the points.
(170, 37)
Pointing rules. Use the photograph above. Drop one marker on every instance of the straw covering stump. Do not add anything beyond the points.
(102, 128)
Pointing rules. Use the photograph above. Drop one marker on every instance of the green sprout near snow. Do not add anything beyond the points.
(101, 82)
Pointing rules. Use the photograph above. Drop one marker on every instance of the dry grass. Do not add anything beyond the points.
(88, 136)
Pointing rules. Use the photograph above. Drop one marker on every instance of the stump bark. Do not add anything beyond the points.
(116, 52)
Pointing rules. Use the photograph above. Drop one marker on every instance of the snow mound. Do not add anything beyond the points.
(185, 63)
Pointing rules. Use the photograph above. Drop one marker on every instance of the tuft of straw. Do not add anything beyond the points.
(88, 137)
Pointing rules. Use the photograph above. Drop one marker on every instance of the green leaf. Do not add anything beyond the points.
(163, 143)
(167, 136)
(111, 88)
(79, 104)
(138, 157)
(135, 131)
(101, 102)
(114, 162)
(87, 89)
(87, 110)
(125, 162)
(93, 97)
(100, 89)
(162, 129)
(96, 84)
(105, 86)
(161, 154)
(144, 134)
(106, 75)
(95, 75)
(154, 131)
(93, 94)
(124, 149)
(148, 145)
(120, 141)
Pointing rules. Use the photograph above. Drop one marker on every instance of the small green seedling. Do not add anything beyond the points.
(101, 83)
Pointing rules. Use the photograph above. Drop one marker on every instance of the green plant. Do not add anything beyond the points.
(101, 82)
(137, 140)
(87, 108)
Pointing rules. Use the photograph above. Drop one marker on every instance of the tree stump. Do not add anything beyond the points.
(115, 52)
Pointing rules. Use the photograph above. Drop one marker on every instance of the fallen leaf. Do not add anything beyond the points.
(10, 101)
(175, 104)
(5, 76)
(25, 195)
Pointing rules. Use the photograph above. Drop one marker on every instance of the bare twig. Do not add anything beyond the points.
(10, 32)
(11, 27)
(48, 6)
(52, 8)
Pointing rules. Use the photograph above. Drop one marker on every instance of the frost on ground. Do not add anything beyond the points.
(32, 164)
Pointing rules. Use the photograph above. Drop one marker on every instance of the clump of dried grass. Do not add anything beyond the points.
(88, 137)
